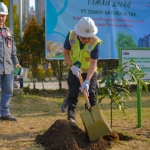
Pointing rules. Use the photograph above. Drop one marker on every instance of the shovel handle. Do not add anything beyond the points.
(85, 93)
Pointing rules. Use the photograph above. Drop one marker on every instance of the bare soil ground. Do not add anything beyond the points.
(65, 135)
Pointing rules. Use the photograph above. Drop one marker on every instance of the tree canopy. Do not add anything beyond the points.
(32, 46)
(124, 40)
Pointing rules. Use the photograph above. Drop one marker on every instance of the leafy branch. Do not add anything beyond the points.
(117, 85)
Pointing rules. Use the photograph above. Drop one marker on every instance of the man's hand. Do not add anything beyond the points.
(75, 70)
(85, 85)
(17, 66)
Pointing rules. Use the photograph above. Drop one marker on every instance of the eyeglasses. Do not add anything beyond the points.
(84, 38)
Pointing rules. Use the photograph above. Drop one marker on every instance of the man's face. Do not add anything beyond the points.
(2, 20)
(84, 40)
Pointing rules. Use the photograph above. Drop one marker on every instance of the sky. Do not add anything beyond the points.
(32, 3)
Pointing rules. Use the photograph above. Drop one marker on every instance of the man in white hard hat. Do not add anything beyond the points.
(81, 52)
(8, 60)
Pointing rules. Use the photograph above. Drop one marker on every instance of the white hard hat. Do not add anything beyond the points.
(3, 9)
(86, 27)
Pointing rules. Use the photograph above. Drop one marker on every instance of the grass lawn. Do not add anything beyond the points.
(37, 113)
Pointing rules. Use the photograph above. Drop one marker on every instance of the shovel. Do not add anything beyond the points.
(93, 119)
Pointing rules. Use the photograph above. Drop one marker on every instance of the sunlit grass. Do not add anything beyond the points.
(37, 113)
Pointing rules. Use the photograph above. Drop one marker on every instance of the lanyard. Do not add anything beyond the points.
(6, 37)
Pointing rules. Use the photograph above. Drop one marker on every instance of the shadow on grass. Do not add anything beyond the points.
(35, 106)
(129, 104)
(45, 92)
(48, 103)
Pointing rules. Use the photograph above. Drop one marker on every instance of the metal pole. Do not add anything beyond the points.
(20, 20)
(11, 20)
(139, 107)
(20, 11)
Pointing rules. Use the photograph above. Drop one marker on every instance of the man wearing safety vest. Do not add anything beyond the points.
(8, 59)
(81, 52)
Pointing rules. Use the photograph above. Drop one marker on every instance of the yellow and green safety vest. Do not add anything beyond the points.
(82, 57)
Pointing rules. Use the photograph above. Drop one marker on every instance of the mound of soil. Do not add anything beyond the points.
(65, 135)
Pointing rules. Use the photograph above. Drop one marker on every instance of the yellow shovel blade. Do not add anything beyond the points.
(95, 123)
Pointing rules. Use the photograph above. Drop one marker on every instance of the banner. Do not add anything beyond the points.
(121, 23)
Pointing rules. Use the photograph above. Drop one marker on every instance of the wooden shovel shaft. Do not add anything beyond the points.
(85, 93)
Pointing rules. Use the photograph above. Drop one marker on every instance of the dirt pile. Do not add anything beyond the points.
(65, 135)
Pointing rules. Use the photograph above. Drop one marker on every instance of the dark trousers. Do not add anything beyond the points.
(74, 84)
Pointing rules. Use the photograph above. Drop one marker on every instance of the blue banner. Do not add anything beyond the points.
(121, 23)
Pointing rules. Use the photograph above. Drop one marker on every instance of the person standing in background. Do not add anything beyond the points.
(8, 60)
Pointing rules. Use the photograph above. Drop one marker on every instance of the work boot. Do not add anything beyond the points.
(71, 115)
(8, 118)
(64, 105)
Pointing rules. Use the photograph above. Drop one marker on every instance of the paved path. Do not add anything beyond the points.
(47, 85)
